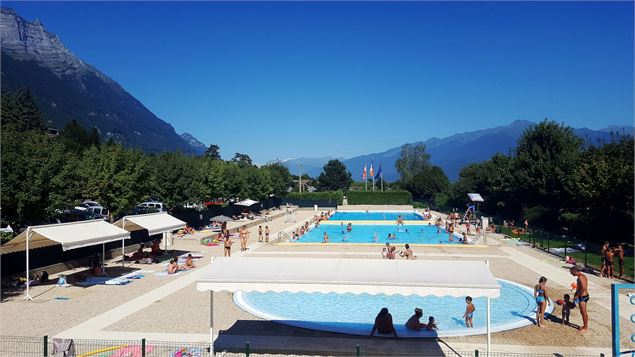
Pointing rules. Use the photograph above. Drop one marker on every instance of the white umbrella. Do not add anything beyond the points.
(246, 203)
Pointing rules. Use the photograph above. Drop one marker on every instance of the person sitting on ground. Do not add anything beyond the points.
(155, 249)
(413, 322)
(95, 264)
(385, 251)
(408, 254)
(431, 325)
(173, 267)
(189, 262)
(392, 253)
(383, 323)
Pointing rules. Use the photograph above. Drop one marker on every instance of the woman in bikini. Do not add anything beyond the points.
(266, 234)
(542, 299)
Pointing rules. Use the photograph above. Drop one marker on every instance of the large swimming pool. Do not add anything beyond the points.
(355, 314)
(411, 234)
(374, 216)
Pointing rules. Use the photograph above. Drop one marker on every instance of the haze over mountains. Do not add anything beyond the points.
(66, 88)
(454, 152)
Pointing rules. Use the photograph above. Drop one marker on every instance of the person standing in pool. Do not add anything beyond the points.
(542, 299)
(325, 238)
(383, 323)
(451, 232)
(581, 296)
(469, 312)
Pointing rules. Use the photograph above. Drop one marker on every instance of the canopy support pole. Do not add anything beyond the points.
(103, 259)
(211, 322)
(123, 243)
(165, 239)
(489, 337)
(28, 282)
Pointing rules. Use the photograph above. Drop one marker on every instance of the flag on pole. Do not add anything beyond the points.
(372, 171)
(364, 173)
(379, 173)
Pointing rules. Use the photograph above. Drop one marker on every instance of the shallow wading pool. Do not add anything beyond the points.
(355, 314)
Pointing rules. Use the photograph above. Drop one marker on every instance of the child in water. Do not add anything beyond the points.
(469, 312)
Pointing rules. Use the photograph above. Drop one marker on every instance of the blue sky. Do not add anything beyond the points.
(296, 79)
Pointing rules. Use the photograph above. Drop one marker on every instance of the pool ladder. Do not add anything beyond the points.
(282, 235)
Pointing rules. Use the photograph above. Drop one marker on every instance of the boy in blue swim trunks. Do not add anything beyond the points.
(469, 312)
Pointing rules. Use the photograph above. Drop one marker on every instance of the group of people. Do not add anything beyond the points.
(141, 256)
(323, 216)
(174, 266)
(299, 232)
(580, 300)
(384, 324)
(608, 254)
(390, 252)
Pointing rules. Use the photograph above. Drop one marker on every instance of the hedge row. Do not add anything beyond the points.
(379, 198)
(337, 196)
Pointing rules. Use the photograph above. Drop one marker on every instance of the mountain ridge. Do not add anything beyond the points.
(458, 150)
(66, 88)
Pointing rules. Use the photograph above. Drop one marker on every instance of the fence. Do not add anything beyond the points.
(18, 346)
(583, 251)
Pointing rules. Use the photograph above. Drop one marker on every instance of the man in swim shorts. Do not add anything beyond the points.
(581, 296)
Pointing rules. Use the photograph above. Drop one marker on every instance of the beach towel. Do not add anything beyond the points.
(118, 281)
(63, 348)
(188, 352)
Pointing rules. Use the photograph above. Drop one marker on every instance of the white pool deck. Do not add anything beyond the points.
(538, 263)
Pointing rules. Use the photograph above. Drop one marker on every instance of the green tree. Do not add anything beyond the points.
(242, 159)
(428, 183)
(116, 177)
(76, 138)
(493, 179)
(413, 160)
(255, 183)
(178, 179)
(279, 177)
(30, 161)
(546, 156)
(334, 176)
(212, 152)
(603, 182)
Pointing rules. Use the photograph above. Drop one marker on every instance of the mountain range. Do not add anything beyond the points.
(66, 88)
(454, 152)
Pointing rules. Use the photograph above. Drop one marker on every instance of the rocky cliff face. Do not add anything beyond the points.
(66, 88)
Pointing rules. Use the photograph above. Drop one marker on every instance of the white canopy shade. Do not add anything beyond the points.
(153, 222)
(357, 276)
(246, 203)
(475, 197)
(70, 235)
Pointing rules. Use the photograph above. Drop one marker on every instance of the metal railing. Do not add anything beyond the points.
(32, 346)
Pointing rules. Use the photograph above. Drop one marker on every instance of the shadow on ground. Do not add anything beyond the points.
(294, 340)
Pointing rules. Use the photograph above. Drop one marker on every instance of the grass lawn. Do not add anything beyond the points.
(544, 240)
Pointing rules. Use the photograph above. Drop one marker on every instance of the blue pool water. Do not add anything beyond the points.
(416, 234)
(374, 216)
(355, 314)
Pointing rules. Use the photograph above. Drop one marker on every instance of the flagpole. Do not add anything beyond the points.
(381, 179)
